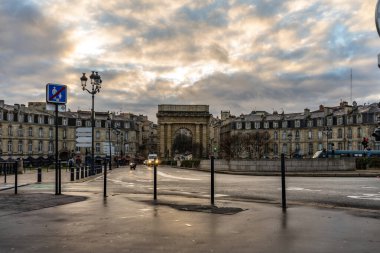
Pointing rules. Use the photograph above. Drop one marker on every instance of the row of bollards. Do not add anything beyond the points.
(212, 190)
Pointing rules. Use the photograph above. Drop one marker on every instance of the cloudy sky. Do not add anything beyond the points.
(237, 55)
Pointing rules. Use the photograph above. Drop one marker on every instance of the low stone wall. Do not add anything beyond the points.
(291, 165)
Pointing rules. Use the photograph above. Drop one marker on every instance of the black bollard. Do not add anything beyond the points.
(155, 179)
(212, 181)
(39, 175)
(105, 180)
(77, 174)
(283, 183)
(82, 173)
(5, 174)
(72, 173)
(16, 173)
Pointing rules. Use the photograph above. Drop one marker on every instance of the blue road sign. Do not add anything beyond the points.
(56, 93)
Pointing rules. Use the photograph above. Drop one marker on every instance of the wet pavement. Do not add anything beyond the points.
(39, 221)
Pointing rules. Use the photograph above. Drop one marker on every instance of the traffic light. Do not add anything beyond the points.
(376, 134)
(365, 142)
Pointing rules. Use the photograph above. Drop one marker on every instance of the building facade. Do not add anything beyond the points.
(264, 135)
(29, 131)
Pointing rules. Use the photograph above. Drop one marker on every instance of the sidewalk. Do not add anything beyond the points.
(85, 222)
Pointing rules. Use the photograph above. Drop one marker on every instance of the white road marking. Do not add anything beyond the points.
(300, 189)
(174, 177)
(367, 196)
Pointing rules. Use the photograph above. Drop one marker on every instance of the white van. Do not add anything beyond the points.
(151, 159)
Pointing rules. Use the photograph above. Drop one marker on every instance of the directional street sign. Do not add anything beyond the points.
(56, 93)
(83, 137)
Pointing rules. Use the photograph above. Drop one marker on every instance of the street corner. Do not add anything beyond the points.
(12, 204)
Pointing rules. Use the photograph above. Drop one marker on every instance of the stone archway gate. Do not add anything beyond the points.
(171, 118)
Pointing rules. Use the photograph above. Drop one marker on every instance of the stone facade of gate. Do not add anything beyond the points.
(172, 118)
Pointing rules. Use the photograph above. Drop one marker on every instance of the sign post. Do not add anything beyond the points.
(56, 94)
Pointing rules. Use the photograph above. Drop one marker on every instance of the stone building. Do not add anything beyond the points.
(29, 131)
(302, 134)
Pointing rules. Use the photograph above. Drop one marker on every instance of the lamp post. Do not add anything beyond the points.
(109, 122)
(96, 84)
(117, 132)
(327, 131)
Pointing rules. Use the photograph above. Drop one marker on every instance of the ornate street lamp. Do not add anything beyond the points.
(96, 84)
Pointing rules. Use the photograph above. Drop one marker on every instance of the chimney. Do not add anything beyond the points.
(321, 108)
(306, 112)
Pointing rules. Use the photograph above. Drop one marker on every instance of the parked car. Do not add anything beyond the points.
(132, 165)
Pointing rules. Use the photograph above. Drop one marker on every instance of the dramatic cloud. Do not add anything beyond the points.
(237, 55)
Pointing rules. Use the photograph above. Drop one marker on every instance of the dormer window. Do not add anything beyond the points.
(10, 116)
(247, 125)
(239, 125)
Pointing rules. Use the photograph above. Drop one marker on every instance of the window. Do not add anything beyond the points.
(340, 133)
(117, 124)
(1, 115)
(30, 118)
(10, 130)
(284, 135)
(340, 146)
(30, 131)
(311, 151)
(40, 132)
(257, 125)
(88, 123)
(30, 146)
(275, 135)
(238, 125)
(20, 132)
(310, 123)
(77, 149)
(10, 147)
(79, 122)
(320, 135)
(350, 120)
(275, 124)
(320, 146)
(349, 133)
(284, 148)
(340, 120)
(329, 121)
(349, 145)
(127, 124)
(320, 122)
(266, 125)
(40, 119)
(50, 147)
(64, 121)
(297, 123)
(40, 147)
(51, 120)
(310, 134)
(50, 133)
(64, 133)
(97, 147)
(98, 123)
(97, 134)
(285, 124)
(298, 148)
(64, 145)
(275, 149)
(298, 135)
(247, 125)
(10, 116)
(20, 147)
(360, 132)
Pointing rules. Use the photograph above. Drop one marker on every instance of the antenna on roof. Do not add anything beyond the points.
(351, 86)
